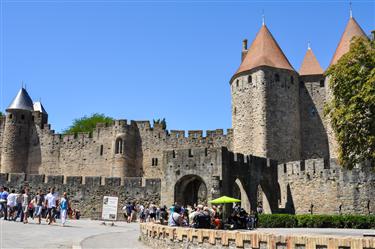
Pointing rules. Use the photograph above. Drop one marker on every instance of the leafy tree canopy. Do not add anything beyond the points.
(163, 122)
(352, 107)
(87, 123)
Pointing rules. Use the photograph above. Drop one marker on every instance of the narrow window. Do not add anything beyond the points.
(205, 151)
(235, 111)
(284, 168)
(190, 153)
(291, 79)
(10, 116)
(118, 149)
(174, 154)
(156, 162)
(153, 162)
(22, 117)
(237, 82)
(321, 83)
(249, 79)
(101, 150)
(277, 77)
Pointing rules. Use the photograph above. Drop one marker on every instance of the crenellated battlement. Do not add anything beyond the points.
(35, 179)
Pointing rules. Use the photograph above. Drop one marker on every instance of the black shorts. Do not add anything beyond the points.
(152, 215)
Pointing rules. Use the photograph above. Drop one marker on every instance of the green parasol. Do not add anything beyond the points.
(224, 199)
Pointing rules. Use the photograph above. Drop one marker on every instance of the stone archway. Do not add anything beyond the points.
(239, 192)
(190, 190)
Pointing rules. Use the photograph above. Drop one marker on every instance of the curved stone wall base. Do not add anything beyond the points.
(158, 236)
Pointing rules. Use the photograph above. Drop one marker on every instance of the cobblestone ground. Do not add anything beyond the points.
(83, 234)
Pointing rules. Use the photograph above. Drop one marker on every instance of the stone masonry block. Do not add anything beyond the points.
(35, 179)
(74, 180)
(113, 181)
(55, 179)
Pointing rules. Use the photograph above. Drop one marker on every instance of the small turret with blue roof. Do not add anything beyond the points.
(16, 137)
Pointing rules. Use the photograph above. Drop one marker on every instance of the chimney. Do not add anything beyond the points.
(244, 49)
(244, 44)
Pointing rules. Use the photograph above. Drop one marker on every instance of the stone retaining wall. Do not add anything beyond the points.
(158, 236)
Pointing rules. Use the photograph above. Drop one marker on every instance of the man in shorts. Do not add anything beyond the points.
(50, 202)
(39, 200)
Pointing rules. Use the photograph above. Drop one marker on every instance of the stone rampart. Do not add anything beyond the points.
(86, 193)
(327, 187)
(158, 236)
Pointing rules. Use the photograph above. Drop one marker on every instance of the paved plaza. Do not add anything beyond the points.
(92, 234)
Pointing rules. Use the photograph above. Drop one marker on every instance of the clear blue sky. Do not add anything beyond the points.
(144, 60)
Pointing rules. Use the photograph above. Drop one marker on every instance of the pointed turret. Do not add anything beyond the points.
(22, 101)
(264, 51)
(352, 29)
(310, 65)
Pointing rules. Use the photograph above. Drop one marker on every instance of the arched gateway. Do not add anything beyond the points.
(190, 190)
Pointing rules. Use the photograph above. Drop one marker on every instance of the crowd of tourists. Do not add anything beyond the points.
(22, 206)
(198, 216)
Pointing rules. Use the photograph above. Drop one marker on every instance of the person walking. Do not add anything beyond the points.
(64, 205)
(3, 201)
(50, 202)
(39, 201)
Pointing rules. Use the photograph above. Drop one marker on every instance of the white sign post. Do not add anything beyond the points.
(109, 211)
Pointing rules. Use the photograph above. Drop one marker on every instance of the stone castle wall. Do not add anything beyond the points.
(86, 154)
(327, 186)
(314, 140)
(86, 193)
(265, 113)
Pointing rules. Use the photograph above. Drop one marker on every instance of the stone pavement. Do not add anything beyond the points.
(84, 234)
(77, 234)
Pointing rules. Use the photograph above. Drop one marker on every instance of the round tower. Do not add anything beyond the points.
(265, 96)
(15, 144)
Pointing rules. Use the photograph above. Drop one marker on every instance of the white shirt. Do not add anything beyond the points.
(51, 200)
(12, 199)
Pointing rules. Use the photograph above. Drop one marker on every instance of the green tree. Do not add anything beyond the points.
(352, 107)
(87, 124)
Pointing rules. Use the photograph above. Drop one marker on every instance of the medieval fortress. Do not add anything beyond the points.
(280, 152)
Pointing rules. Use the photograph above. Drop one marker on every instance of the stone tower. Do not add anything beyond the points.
(314, 141)
(16, 137)
(352, 30)
(265, 102)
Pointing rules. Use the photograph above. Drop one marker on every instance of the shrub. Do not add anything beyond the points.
(317, 221)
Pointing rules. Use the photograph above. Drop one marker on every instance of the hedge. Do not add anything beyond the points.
(317, 221)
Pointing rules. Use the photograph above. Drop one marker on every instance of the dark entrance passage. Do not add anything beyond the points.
(190, 190)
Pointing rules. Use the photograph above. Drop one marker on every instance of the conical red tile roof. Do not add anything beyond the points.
(310, 65)
(264, 51)
(352, 29)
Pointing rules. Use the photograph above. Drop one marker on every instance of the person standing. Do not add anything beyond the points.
(12, 205)
(50, 202)
(3, 201)
(25, 206)
(64, 204)
(19, 201)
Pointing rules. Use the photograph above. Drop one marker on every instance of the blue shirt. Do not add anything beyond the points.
(4, 195)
